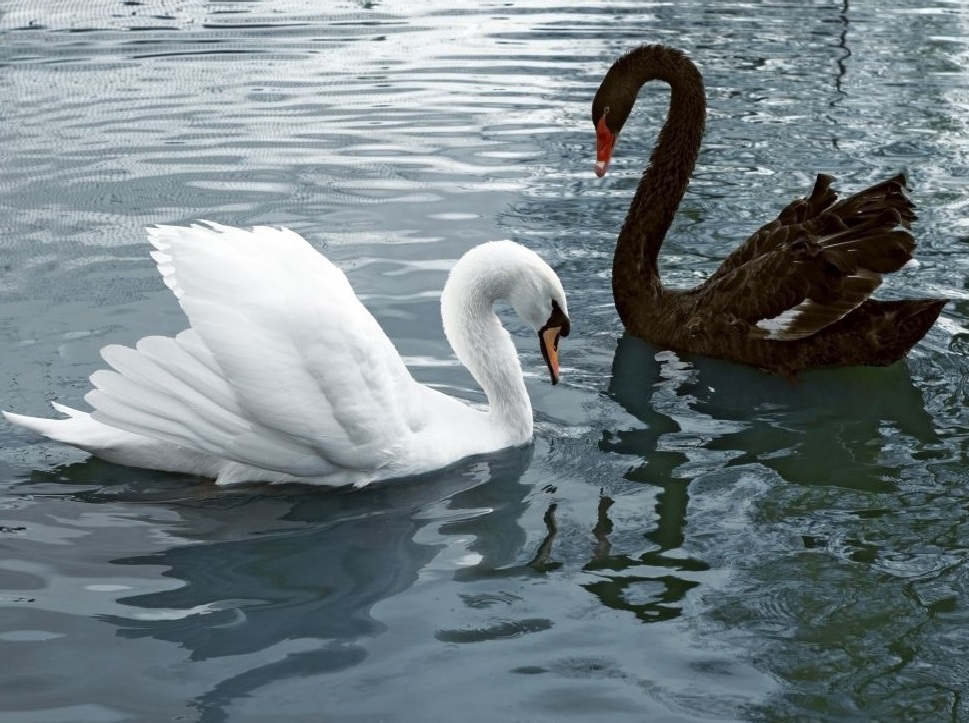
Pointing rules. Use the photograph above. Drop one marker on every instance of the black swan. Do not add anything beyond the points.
(795, 295)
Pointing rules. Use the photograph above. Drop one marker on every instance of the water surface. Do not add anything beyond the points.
(686, 540)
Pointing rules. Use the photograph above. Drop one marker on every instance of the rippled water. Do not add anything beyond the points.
(686, 540)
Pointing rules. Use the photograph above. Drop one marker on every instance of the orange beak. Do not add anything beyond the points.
(605, 142)
(550, 350)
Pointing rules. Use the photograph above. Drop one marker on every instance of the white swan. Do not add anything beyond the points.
(284, 376)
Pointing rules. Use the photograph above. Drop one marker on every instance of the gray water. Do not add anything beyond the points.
(686, 540)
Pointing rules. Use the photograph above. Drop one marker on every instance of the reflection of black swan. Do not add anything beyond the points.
(828, 430)
(795, 295)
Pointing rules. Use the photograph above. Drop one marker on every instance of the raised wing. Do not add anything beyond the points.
(283, 367)
(821, 214)
(815, 263)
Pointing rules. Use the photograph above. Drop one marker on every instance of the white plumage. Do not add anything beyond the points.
(283, 375)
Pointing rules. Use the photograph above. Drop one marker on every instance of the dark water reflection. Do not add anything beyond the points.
(687, 540)
(841, 421)
(289, 578)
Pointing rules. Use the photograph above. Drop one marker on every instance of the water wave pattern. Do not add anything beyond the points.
(686, 540)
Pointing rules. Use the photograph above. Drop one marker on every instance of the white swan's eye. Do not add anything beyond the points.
(558, 319)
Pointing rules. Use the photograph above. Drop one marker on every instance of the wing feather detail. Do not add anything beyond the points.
(282, 367)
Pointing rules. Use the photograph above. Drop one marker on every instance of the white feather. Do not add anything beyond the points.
(283, 375)
(783, 327)
(777, 326)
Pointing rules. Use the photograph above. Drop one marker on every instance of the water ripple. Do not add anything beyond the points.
(702, 540)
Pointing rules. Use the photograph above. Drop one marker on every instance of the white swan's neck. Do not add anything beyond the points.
(482, 277)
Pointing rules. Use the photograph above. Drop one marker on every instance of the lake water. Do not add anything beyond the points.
(686, 540)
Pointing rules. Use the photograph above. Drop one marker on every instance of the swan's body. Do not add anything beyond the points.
(284, 376)
(795, 295)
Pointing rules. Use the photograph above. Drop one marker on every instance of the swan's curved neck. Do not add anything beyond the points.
(670, 166)
(483, 345)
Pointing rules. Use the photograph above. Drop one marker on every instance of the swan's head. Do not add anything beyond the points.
(507, 270)
(536, 294)
(617, 93)
(605, 138)
(611, 107)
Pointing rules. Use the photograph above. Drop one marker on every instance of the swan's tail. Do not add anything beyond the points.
(163, 406)
(81, 430)
(895, 326)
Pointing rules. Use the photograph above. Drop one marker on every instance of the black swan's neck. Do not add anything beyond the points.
(670, 166)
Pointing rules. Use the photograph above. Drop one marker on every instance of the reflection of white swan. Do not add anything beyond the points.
(283, 375)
